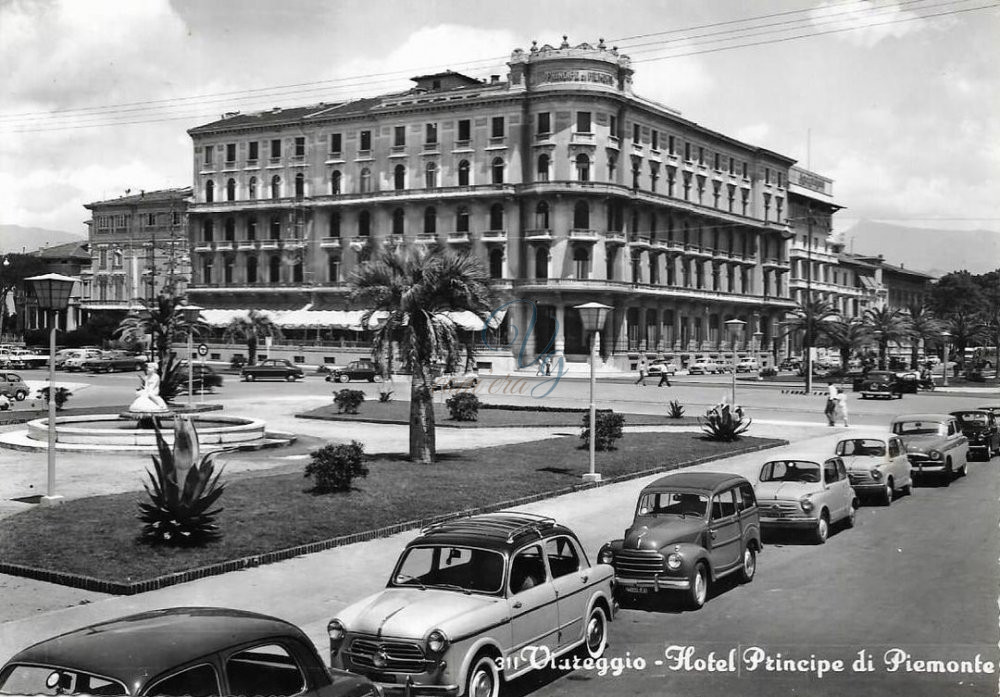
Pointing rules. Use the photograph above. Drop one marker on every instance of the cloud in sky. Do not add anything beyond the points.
(866, 23)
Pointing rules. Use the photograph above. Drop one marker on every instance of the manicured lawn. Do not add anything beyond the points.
(498, 417)
(271, 511)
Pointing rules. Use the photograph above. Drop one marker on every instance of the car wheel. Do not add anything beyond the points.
(376, 378)
(249, 377)
(887, 494)
(822, 529)
(20, 395)
(596, 639)
(484, 678)
(290, 378)
(852, 514)
(749, 568)
(344, 378)
(963, 470)
(698, 592)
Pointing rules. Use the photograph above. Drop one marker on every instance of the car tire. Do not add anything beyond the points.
(852, 515)
(484, 678)
(343, 377)
(249, 377)
(886, 497)
(595, 639)
(698, 591)
(822, 531)
(749, 568)
(963, 470)
(290, 378)
(21, 395)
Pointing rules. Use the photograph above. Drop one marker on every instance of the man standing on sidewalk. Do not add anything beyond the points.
(664, 376)
(830, 410)
(642, 372)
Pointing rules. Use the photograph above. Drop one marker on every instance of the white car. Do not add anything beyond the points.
(657, 368)
(747, 365)
(704, 367)
(877, 465)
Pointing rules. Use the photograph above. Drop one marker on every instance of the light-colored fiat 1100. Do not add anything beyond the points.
(474, 602)
(806, 492)
(877, 465)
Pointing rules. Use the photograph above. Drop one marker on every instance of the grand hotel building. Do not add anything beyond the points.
(568, 186)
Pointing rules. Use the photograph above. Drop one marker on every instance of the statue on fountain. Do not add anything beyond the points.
(149, 400)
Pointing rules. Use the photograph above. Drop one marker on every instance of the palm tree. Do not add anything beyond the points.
(887, 324)
(966, 329)
(846, 335)
(810, 320)
(249, 328)
(415, 288)
(923, 325)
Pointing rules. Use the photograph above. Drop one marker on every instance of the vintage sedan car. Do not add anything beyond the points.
(747, 365)
(72, 360)
(982, 428)
(23, 359)
(470, 594)
(704, 367)
(806, 491)
(658, 368)
(934, 443)
(876, 464)
(355, 370)
(203, 377)
(12, 385)
(881, 383)
(690, 529)
(115, 362)
(180, 651)
(272, 369)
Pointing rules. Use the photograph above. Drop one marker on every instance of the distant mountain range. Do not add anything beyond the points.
(936, 252)
(15, 238)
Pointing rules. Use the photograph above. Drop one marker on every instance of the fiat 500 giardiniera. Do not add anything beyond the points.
(876, 465)
(806, 492)
(934, 444)
(180, 651)
(689, 530)
(473, 595)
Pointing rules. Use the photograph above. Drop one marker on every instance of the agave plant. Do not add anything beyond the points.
(724, 424)
(182, 489)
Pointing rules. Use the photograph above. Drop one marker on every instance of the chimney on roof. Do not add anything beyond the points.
(494, 79)
(881, 257)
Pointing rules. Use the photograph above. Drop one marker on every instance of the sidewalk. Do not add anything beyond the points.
(309, 590)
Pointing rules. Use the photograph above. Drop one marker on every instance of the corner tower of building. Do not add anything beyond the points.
(584, 65)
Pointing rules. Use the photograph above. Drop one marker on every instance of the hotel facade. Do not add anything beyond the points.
(568, 186)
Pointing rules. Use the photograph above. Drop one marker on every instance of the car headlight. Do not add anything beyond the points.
(606, 556)
(934, 454)
(336, 632)
(674, 561)
(876, 475)
(807, 505)
(437, 642)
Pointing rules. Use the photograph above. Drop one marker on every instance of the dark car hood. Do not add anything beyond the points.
(654, 533)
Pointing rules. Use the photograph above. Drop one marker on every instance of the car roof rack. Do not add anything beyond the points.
(508, 525)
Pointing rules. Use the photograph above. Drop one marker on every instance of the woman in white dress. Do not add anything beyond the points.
(149, 399)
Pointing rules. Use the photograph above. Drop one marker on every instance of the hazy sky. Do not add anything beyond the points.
(96, 95)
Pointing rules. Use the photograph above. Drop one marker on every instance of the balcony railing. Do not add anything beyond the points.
(493, 235)
(329, 242)
(537, 234)
(584, 234)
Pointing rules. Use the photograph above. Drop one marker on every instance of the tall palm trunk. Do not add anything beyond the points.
(422, 445)
(252, 350)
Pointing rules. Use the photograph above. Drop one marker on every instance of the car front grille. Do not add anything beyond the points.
(401, 657)
(635, 563)
(860, 478)
(778, 509)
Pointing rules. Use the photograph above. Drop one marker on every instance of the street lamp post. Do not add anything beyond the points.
(735, 327)
(191, 314)
(52, 293)
(758, 348)
(592, 316)
(944, 373)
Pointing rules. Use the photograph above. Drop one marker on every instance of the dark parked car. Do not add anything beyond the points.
(355, 370)
(982, 429)
(203, 378)
(273, 369)
(180, 651)
(115, 362)
(882, 383)
(690, 529)
(11, 385)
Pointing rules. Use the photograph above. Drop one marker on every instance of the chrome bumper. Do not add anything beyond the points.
(655, 583)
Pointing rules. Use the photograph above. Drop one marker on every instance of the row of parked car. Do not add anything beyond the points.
(467, 594)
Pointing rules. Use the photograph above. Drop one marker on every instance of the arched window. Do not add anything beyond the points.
(496, 217)
(582, 168)
(542, 263)
(335, 182)
(209, 191)
(430, 220)
(333, 269)
(227, 271)
(497, 170)
(300, 185)
(207, 230)
(206, 272)
(399, 178)
(431, 175)
(229, 230)
(542, 216)
(364, 224)
(335, 224)
(581, 262)
(275, 186)
(398, 222)
(231, 190)
(275, 227)
(365, 181)
(542, 173)
(274, 269)
(496, 263)
(252, 187)
(251, 269)
(463, 173)
(581, 216)
(462, 220)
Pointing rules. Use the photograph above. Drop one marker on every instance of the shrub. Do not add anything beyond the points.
(237, 361)
(676, 410)
(609, 429)
(724, 424)
(62, 394)
(334, 467)
(768, 372)
(348, 401)
(464, 406)
(173, 378)
(384, 396)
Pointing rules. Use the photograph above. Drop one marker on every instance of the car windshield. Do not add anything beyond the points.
(871, 447)
(790, 471)
(973, 417)
(461, 568)
(916, 428)
(38, 680)
(663, 503)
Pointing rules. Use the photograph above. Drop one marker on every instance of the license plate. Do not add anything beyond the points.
(638, 590)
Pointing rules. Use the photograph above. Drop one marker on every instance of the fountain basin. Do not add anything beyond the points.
(102, 430)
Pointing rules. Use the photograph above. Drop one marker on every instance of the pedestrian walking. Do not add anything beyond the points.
(642, 372)
(664, 377)
(841, 410)
(542, 362)
(831, 403)
(548, 366)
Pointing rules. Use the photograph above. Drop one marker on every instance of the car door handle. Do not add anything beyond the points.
(711, 533)
(584, 578)
(517, 605)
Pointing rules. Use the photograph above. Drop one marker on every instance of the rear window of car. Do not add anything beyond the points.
(38, 680)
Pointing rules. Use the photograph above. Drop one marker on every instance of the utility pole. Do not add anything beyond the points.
(809, 318)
